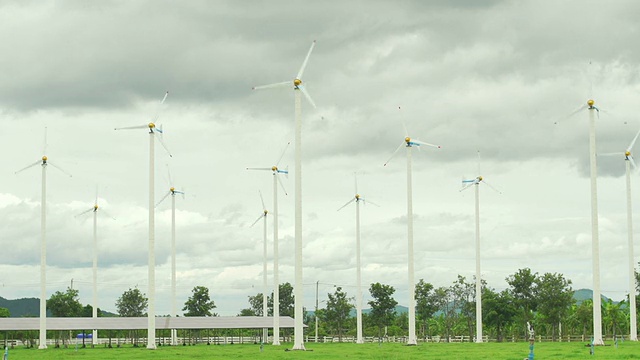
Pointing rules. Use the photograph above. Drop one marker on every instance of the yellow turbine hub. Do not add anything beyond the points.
(407, 139)
(590, 102)
(297, 82)
(95, 207)
(357, 196)
(266, 212)
(172, 189)
(152, 125)
(627, 153)
(479, 178)
(274, 168)
(44, 158)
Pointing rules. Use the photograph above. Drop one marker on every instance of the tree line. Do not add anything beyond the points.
(545, 300)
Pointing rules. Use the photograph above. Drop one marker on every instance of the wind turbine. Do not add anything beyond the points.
(357, 199)
(264, 264)
(172, 191)
(276, 274)
(298, 291)
(595, 243)
(44, 162)
(151, 313)
(94, 313)
(410, 143)
(628, 157)
(467, 184)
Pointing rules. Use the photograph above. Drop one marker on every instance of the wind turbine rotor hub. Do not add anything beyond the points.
(479, 178)
(590, 102)
(44, 158)
(152, 125)
(297, 82)
(172, 189)
(274, 168)
(357, 196)
(95, 207)
(407, 140)
(266, 212)
(627, 153)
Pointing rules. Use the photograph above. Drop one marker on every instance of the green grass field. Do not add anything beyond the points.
(574, 350)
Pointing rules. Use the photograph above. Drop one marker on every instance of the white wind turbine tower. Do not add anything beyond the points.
(357, 199)
(298, 291)
(263, 216)
(467, 184)
(44, 161)
(628, 157)
(94, 313)
(595, 243)
(276, 274)
(172, 191)
(151, 313)
(410, 143)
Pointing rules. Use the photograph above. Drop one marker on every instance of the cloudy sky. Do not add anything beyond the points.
(488, 76)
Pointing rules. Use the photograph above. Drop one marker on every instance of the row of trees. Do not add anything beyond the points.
(544, 300)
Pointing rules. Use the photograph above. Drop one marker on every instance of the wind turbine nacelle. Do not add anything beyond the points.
(297, 82)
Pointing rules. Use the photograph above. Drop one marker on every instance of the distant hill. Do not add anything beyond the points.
(581, 295)
(25, 307)
(30, 307)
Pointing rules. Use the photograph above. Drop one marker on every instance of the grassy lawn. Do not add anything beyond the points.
(574, 350)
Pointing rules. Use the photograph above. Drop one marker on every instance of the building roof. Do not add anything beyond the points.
(135, 323)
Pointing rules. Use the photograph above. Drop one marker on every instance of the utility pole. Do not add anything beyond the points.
(316, 313)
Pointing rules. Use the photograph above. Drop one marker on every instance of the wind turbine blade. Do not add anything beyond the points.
(465, 187)
(30, 166)
(86, 211)
(169, 174)
(282, 155)
(572, 114)
(492, 187)
(306, 95)
(634, 141)
(404, 126)
(145, 126)
(306, 60)
(162, 143)
(60, 169)
(281, 184)
(394, 153)
(355, 181)
(44, 146)
(345, 205)
(370, 202)
(479, 173)
(106, 213)
(164, 197)
(633, 162)
(259, 169)
(258, 219)
(425, 143)
(96, 202)
(285, 171)
(611, 154)
(269, 86)
(264, 207)
(158, 108)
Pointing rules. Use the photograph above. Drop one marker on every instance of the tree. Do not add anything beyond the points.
(286, 300)
(132, 303)
(523, 289)
(447, 305)
(555, 298)
(199, 303)
(464, 294)
(498, 310)
(382, 305)
(4, 313)
(337, 310)
(65, 304)
(613, 316)
(426, 305)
